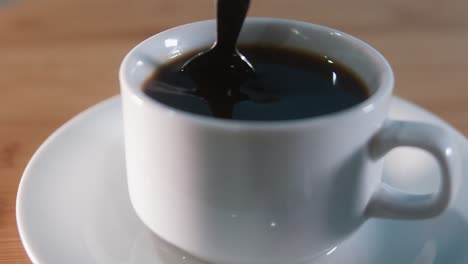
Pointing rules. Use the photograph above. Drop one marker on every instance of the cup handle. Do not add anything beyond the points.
(389, 202)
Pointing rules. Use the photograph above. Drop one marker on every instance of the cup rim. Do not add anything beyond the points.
(367, 106)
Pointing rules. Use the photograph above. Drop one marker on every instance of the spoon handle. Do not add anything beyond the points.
(231, 16)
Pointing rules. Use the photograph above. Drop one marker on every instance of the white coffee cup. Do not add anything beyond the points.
(270, 192)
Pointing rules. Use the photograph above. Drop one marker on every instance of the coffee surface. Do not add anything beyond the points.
(288, 84)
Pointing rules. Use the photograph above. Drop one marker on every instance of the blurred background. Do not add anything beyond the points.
(58, 57)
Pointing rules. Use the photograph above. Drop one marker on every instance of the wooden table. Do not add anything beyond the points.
(59, 57)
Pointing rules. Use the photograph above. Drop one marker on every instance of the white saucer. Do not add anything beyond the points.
(73, 206)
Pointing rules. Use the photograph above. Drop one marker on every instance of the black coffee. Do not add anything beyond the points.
(288, 84)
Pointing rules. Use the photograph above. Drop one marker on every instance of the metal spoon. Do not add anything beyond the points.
(223, 62)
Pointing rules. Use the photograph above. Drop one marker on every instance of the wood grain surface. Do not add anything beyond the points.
(58, 57)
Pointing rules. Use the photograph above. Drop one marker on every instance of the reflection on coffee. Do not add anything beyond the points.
(288, 84)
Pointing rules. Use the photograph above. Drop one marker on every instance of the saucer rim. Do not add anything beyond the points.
(33, 160)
